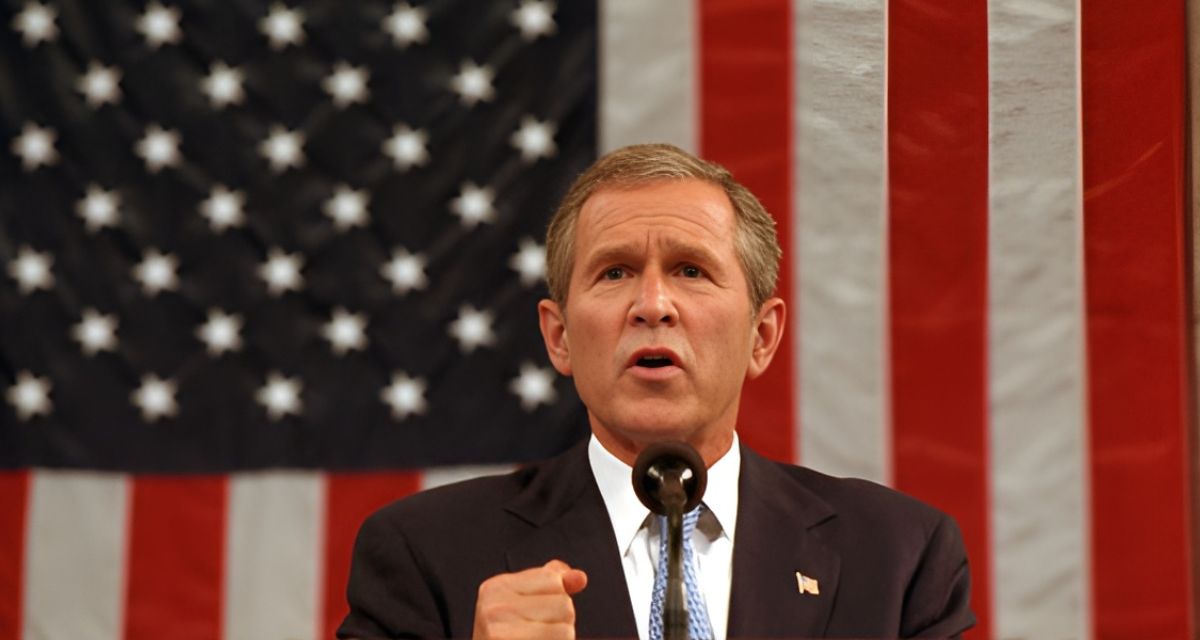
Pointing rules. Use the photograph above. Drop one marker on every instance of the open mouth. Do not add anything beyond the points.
(655, 362)
(658, 359)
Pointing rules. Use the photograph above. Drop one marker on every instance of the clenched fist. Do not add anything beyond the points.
(534, 603)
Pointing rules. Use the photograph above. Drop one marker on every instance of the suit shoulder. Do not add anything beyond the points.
(462, 497)
(899, 557)
(882, 532)
(870, 503)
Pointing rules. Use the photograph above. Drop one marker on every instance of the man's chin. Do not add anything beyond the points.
(656, 426)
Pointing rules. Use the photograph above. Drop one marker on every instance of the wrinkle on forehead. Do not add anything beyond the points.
(650, 234)
(709, 214)
(685, 220)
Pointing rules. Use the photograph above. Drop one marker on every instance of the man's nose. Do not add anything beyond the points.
(653, 305)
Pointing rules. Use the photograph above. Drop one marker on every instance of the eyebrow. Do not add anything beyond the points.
(619, 252)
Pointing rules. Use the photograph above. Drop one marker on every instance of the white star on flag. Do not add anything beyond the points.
(534, 139)
(221, 332)
(159, 148)
(156, 272)
(473, 83)
(405, 395)
(534, 18)
(345, 331)
(223, 208)
(472, 328)
(406, 25)
(347, 208)
(281, 272)
(347, 85)
(529, 262)
(30, 396)
(474, 205)
(35, 146)
(280, 396)
(406, 147)
(31, 270)
(406, 271)
(100, 85)
(223, 85)
(159, 25)
(283, 149)
(95, 332)
(98, 208)
(534, 385)
(155, 398)
(35, 23)
(283, 26)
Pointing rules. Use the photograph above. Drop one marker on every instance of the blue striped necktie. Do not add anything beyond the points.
(699, 628)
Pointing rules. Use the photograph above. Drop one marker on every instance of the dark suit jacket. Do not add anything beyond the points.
(887, 565)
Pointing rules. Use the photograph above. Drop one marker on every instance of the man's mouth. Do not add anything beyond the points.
(655, 362)
(652, 358)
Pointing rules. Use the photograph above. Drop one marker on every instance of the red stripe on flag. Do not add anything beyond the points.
(350, 499)
(1135, 221)
(938, 198)
(14, 500)
(176, 555)
(746, 125)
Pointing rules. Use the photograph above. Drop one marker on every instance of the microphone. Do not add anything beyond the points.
(669, 478)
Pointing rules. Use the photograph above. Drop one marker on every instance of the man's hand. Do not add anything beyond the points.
(534, 603)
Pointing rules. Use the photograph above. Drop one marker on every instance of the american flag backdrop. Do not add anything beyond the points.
(269, 265)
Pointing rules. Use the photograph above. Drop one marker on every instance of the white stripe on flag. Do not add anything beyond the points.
(440, 476)
(841, 238)
(275, 547)
(1040, 526)
(75, 556)
(647, 73)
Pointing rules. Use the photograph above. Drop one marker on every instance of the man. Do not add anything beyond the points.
(661, 271)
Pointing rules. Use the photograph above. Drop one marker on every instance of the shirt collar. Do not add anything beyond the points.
(627, 512)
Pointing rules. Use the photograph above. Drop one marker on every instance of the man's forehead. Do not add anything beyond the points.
(668, 243)
(690, 205)
(690, 220)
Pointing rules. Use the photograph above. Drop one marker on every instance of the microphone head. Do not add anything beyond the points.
(663, 458)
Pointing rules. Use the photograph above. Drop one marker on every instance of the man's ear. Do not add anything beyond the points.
(768, 332)
(553, 323)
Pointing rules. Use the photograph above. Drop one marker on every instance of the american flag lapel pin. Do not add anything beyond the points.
(806, 584)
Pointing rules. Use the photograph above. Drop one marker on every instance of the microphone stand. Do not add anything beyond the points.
(669, 478)
(675, 613)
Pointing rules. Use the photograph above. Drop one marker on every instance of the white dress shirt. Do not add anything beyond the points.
(638, 536)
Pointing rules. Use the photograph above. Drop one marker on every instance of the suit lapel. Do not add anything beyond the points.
(571, 524)
(774, 541)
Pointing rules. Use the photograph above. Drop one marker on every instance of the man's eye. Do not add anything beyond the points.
(614, 273)
(691, 271)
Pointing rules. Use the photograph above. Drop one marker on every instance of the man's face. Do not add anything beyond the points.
(658, 331)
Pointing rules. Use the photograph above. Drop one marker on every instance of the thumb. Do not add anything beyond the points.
(573, 580)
